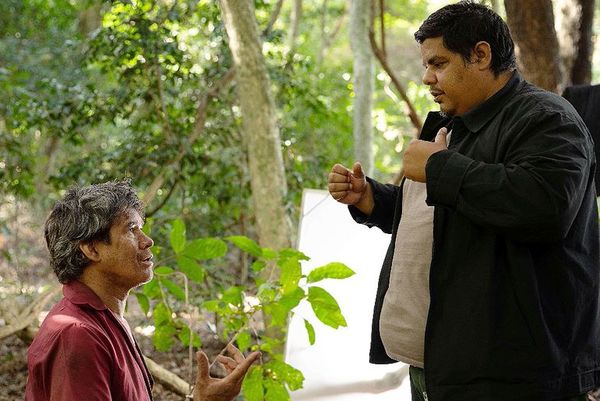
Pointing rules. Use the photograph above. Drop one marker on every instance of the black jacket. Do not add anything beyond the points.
(515, 274)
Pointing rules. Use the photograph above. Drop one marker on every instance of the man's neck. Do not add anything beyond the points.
(113, 298)
(499, 82)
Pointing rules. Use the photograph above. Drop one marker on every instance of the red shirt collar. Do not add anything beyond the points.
(80, 294)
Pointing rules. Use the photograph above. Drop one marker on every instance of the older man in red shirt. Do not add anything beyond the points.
(85, 349)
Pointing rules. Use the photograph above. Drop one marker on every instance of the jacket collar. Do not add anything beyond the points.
(80, 294)
(477, 118)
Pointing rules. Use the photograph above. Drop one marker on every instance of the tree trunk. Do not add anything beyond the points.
(259, 124)
(360, 19)
(580, 72)
(567, 14)
(532, 25)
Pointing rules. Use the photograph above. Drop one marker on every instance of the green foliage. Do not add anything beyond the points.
(167, 297)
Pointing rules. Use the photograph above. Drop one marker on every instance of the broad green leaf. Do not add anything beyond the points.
(244, 340)
(291, 273)
(184, 336)
(287, 373)
(275, 391)
(258, 265)
(266, 293)
(177, 235)
(278, 313)
(293, 298)
(191, 268)
(151, 289)
(205, 248)
(332, 270)
(213, 305)
(289, 253)
(233, 296)
(144, 301)
(245, 244)
(325, 307)
(310, 330)
(161, 314)
(174, 289)
(163, 337)
(163, 270)
(268, 253)
(252, 387)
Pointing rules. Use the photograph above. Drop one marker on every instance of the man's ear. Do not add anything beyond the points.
(90, 251)
(482, 55)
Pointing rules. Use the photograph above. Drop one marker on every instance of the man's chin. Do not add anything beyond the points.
(147, 279)
(445, 113)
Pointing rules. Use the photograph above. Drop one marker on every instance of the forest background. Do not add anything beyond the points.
(220, 113)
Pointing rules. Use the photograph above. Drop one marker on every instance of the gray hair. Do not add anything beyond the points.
(85, 214)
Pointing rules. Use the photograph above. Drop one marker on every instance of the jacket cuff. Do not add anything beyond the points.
(445, 172)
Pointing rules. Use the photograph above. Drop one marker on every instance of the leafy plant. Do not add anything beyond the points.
(168, 297)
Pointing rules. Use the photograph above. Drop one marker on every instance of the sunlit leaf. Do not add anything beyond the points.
(325, 307)
(252, 387)
(143, 301)
(245, 244)
(191, 268)
(205, 248)
(331, 270)
(310, 330)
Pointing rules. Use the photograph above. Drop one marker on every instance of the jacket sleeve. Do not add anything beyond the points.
(534, 195)
(385, 197)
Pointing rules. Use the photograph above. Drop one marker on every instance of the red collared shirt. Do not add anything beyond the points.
(83, 353)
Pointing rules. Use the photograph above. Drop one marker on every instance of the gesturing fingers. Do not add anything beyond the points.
(241, 369)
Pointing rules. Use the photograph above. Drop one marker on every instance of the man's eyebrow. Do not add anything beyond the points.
(435, 59)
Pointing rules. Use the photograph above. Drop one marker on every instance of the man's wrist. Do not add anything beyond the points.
(366, 202)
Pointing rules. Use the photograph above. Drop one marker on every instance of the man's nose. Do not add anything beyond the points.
(146, 241)
(428, 77)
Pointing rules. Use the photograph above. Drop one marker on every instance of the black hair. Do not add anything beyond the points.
(463, 25)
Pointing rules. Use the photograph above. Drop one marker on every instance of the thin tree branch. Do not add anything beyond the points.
(327, 39)
(165, 199)
(412, 114)
(273, 19)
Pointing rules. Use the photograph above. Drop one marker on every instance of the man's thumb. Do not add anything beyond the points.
(203, 369)
(357, 170)
(441, 137)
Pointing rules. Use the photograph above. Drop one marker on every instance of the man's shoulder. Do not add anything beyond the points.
(68, 320)
(528, 97)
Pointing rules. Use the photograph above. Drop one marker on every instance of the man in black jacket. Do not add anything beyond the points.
(490, 289)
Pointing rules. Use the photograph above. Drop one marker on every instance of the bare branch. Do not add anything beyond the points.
(379, 53)
(273, 19)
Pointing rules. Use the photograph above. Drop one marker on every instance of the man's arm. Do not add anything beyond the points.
(370, 202)
(534, 195)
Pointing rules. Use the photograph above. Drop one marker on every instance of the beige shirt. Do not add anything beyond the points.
(406, 302)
